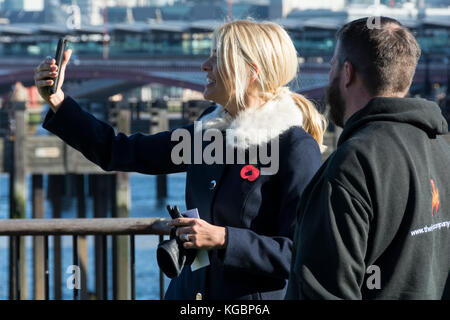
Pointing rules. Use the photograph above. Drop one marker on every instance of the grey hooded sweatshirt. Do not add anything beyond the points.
(374, 222)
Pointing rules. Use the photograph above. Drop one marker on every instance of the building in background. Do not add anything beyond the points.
(143, 3)
(281, 8)
(91, 11)
(22, 5)
(402, 9)
(53, 14)
(437, 3)
(140, 3)
(13, 5)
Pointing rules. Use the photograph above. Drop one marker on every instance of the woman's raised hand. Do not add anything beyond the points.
(49, 69)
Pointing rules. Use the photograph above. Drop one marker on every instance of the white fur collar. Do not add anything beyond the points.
(255, 126)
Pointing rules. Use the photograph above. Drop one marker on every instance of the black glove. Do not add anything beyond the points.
(171, 255)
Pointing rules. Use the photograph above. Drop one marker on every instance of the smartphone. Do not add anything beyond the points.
(59, 59)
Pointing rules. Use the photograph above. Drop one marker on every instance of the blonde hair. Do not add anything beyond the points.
(247, 48)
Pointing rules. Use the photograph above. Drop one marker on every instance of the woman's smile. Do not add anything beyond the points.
(210, 82)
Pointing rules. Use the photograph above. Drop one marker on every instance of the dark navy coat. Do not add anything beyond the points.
(259, 215)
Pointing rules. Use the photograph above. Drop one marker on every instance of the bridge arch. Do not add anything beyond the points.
(84, 72)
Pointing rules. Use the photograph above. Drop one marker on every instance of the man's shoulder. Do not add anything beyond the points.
(372, 141)
(351, 153)
(357, 160)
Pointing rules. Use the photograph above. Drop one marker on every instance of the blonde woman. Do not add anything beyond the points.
(247, 213)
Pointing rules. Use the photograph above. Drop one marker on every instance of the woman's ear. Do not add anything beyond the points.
(254, 72)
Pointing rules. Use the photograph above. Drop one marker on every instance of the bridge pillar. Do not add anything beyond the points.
(82, 241)
(38, 241)
(101, 262)
(17, 202)
(56, 184)
(160, 122)
(120, 187)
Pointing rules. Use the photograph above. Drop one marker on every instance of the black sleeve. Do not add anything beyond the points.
(330, 246)
(97, 141)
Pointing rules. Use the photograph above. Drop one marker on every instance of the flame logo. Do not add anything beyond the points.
(435, 198)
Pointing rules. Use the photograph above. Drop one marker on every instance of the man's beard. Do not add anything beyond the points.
(336, 102)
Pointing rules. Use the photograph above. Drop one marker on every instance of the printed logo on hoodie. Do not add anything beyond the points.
(435, 198)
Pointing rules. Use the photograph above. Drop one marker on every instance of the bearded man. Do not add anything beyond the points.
(374, 222)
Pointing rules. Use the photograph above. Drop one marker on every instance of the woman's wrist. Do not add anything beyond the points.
(55, 100)
(222, 238)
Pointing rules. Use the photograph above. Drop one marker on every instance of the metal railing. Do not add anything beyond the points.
(101, 227)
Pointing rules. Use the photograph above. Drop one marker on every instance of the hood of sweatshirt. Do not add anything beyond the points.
(420, 113)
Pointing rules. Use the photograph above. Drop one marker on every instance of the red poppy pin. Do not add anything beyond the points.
(249, 172)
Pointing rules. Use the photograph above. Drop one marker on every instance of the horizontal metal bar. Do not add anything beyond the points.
(94, 226)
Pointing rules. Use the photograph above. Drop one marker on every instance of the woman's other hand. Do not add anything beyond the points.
(199, 233)
(49, 69)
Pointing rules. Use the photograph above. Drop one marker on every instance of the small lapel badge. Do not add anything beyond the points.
(249, 172)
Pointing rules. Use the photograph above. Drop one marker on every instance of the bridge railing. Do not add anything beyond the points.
(41, 229)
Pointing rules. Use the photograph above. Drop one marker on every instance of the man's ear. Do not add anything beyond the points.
(349, 74)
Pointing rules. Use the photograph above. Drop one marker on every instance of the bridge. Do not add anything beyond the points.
(171, 53)
(118, 75)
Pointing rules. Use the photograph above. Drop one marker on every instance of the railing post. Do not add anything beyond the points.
(161, 275)
(17, 200)
(82, 241)
(101, 263)
(46, 270)
(121, 209)
(160, 122)
(55, 191)
(38, 241)
(132, 267)
(76, 292)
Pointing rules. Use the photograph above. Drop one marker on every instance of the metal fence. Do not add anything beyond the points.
(99, 227)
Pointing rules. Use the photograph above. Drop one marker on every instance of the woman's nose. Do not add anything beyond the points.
(206, 66)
